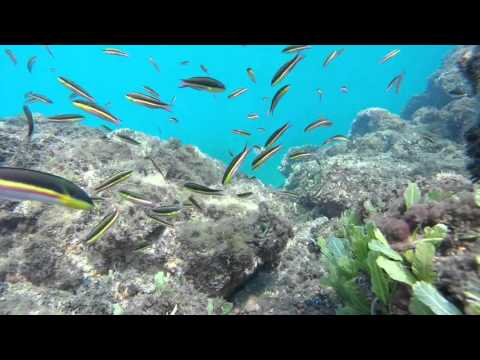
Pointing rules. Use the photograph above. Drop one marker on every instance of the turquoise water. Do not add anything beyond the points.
(206, 120)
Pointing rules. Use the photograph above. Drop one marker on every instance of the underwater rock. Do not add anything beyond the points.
(375, 119)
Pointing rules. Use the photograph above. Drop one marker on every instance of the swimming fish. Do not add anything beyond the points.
(397, 82)
(148, 101)
(295, 48)
(251, 75)
(49, 50)
(30, 63)
(204, 69)
(105, 128)
(203, 83)
(241, 132)
(317, 124)
(11, 55)
(136, 198)
(200, 189)
(253, 116)
(101, 229)
(159, 220)
(278, 96)
(28, 115)
(76, 89)
(127, 139)
(320, 93)
(172, 102)
(245, 194)
(114, 180)
(185, 62)
(285, 69)
(230, 153)
(117, 52)
(22, 184)
(299, 154)
(237, 92)
(265, 98)
(96, 110)
(234, 166)
(264, 156)
(261, 129)
(288, 193)
(67, 118)
(154, 64)
(155, 165)
(333, 55)
(276, 135)
(257, 149)
(33, 97)
(344, 89)
(390, 56)
(195, 203)
(151, 91)
(173, 120)
(167, 210)
(335, 138)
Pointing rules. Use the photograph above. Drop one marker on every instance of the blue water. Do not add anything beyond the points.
(206, 120)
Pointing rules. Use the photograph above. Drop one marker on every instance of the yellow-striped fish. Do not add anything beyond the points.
(295, 48)
(264, 156)
(101, 229)
(336, 138)
(276, 135)
(114, 180)
(278, 96)
(286, 69)
(333, 55)
(237, 92)
(253, 116)
(317, 124)
(234, 166)
(77, 89)
(117, 52)
(299, 155)
(241, 132)
(390, 56)
(96, 110)
(67, 118)
(148, 101)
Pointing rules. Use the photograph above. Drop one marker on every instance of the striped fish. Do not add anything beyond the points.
(167, 210)
(335, 138)
(128, 139)
(11, 55)
(237, 92)
(390, 56)
(154, 64)
(136, 198)
(295, 48)
(241, 132)
(234, 166)
(317, 124)
(286, 69)
(75, 88)
(251, 75)
(117, 52)
(67, 118)
(245, 194)
(22, 184)
(201, 189)
(276, 135)
(203, 83)
(101, 229)
(114, 180)
(28, 115)
(264, 156)
(155, 165)
(49, 50)
(96, 110)
(159, 220)
(30, 63)
(151, 91)
(397, 82)
(195, 203)
(33, 97)
(333, 55)
(148, 101)
(299, 154)
(253, 116)
(278, 96)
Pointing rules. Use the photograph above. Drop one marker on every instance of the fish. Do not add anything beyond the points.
(278, 96)
(201, 189)
(230, 153)
(195, 203)
(241, 132)
(106, 128)
(264, 156)
(203, 83)
(295, 48)
(159, 220)
(155, 165)
(30, 63)
(67, 118)
(397, 82)
(204, 69)
(148, 101)
(336, 138)
(101, 229)
(72, 96)
(245, 194)
(167, 210)
(320, 93)
(428, 138)
(344, 89)
(114, 180)
(11, 55)
(234, 166)
(276, 135)
(253, 116)
(390, 56)
(49, 50)
(257, 149)
(117, 52)
(151, 91)
(172, 102)
(128, 139)
(285, 69)
(28, 115)
(185, 62)
(317, 124)
(288, 193)
(96, 110)
(237, 92)
(333, 55)
(265, 98)
(135, 198)
(261, 129)
(173, 120)
(299, 155)
(75, 88)
(154, 64)
(251, 75)
(18, 184)
(33, 97)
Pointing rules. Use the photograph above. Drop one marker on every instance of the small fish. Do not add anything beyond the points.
(245, 194)
(278, 96)
(151, 91)
(299, 155)
(428, 138)
(261, 129)
(200, 189)
(117, 52)
(203, 83)
(159, 220)
(167, 210)
(49, 50)
(390, 56)
(257, 149)
(251, 75)
(230, 153)
(106, 128)
(30, 63)
(72, 96)
(76, 89)
(317, 124)
(173, 120)
(127, 139)
(96, 110)
(265, 98)
(136, 198)
(195, 203)
(288, 193)
(276, 135)
(22, 184)
(336, 138)
(286, 69)
(241, 132)
(344, 89)
(67, 118)
(155, 165)
(11, 55)
(295, 48)
(204, 69)
(234, 166)
(320, 93)
(101, 229)
(397, 82)
(154, 64)
(172, 102)
(237, 92)
(253, 116)
(148, 101)
(333, 55)
(33, 97)
(28, 115)
(185, 62)
(114, 180)
(264, 156)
